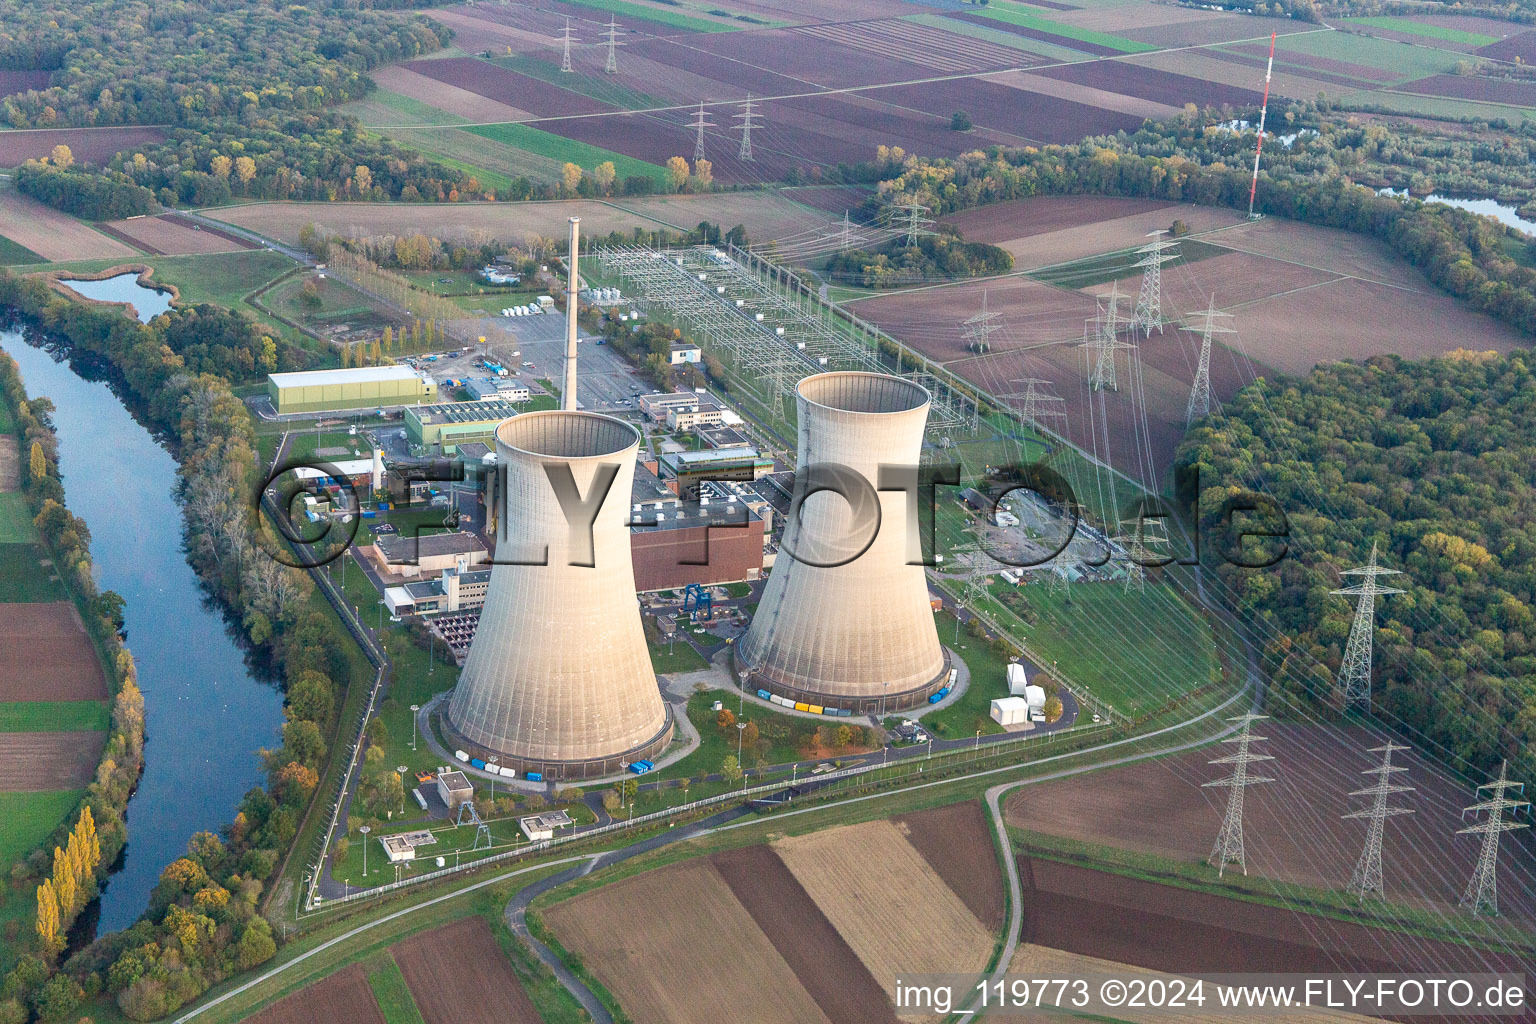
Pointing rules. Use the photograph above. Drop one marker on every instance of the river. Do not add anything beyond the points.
(207, 711)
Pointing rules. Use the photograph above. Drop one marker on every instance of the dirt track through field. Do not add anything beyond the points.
(825, 964)
(956, 841)
(457, 974)
(343, 998)
(674, 942)
(10, 464)
(37, 762)
(45, 654)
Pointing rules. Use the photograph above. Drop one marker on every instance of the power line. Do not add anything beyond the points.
(700, 122)
(565, 58)
(916, 223)
(745, 117)
(1367, 877)
(1355, 670)
(980, 328)
(1200, 394)
(1229, 847)
(612, 33)
(1482, 893)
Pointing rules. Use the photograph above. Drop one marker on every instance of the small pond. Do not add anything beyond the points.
(147, 302)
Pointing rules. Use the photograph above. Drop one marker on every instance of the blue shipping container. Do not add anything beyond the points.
(764, 694)
(534, 776)
(475, 762)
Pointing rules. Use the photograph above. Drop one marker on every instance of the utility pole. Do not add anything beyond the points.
(1482, 893)
(747, 124)
(980, 328)
(1355, 670)
(1149, 303)
(565, 58)
(700, 122)
(612, 67)
(1367, 877)
(1200, 394)
(1229, 848)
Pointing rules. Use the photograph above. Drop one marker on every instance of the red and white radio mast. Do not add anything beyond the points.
(1269, 69)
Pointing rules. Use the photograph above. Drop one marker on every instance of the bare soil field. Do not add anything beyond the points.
(51, 234)
(89, 145)
(457, 974)
(735, 76)
(766, 216)
(506, 221)
(823, 961)
(38, 762)
(1213, 28)
(1340, 252)
(1294, 829)
(1237, 69)
(1165, 928)
(1133, 105)
(1521, 44)
(506, 87)
(810, 55)
(10, 464)
(46, 654)
(1315, 71)
(1089, 49)
(956, 841)
(171, 237)
(475, 30)
(12, 82)
(1465, 87)
(920, 45)
(459, 102)
(1342, 67)
(1149, 83)
(1031, 116)
(664, 941)
(1000, 223)
(344, 996)
(1235, 279)
(1119, 231)
(852, 873)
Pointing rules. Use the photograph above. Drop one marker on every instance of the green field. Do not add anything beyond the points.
(20, 578)
(223, 278)
(30, 818)
(1449, 35)
(556, 147)
(12, 253)
(972, 711)
(1113, 266)
(679, 657)
(489, 160)
(1387, 54)
(1402, 101)
(1016, 14)
(385, 107)
(998, 37)
(16, 519)
(391, 992)
(54, 716)
(598, 87)
(660, 17)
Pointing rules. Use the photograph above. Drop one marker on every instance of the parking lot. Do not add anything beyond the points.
(605, 382)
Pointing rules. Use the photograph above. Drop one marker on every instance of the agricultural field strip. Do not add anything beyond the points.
(992, 795)
(841, 90)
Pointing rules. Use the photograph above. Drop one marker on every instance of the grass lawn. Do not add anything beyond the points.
(223, 278)
(988, 680)
(676, 658)
(1408, 102)
(16, 519)
(1114, 266)
(391, 991)
(1449, 35)
(557, 147)
(12, 253)
(1017, 14)
(385, 107)
(21, 580)
(1387, 54)
(487, 159)
(54, 716)
(30, 818)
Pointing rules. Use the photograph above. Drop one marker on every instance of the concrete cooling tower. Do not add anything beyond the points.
(858, 635)
(559, 678)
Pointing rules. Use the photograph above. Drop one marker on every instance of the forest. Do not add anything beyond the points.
(943, 255)
(1432, 461)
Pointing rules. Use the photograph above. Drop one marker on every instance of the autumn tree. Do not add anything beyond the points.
(604, 174)
(730, 769)
(38, 463)
(363, 178)
(704, 173)
(677, 167)
(570, 178)
(61, 156)
(48, 918)
(726, 718)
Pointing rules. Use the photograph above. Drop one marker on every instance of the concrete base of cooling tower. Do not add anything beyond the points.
(855, 704)
(564, 770)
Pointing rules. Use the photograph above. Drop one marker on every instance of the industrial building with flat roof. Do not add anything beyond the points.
(686, 543)
(690, 469)
(423, 554)
(363, 387)
(454, 423)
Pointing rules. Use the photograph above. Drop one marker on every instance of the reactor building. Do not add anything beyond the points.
(845, 621)
(558, 680)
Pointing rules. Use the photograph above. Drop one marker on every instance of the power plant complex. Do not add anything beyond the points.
(844, 621)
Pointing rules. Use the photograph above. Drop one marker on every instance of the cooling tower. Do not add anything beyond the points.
(858, 635)
(559, 678)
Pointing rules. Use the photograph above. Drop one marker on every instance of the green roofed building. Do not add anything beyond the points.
(455, 423)
(365, 387)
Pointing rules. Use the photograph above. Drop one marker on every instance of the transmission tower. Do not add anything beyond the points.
(1036, 405)
(1229, 841)
(745, 117)
(565, 58)
(917, 223)
(1102, 339)
(700, 122)
(1355, 670)
(980, 328)
(847, 242)
(612, 33)
(1149, 304)
(1200, 394)
(1482, 893)
(1139, 551)
(1367, 879)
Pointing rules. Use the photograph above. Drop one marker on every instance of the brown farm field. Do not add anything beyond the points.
(37, 762)
(89, 145)
(445, 96)
(956, 841)
(53, 235)
(506, 221)
(343, 997)
(46, 654)
(458, 975)
(167, 236)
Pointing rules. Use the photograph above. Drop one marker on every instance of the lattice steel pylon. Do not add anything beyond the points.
(1200, 393)
(1229, 848)
(1102, 340)
(1139, 553)
(846, 241)
(565, 56)
(1367, 877)
(612, 34)
(1149, 303)
(917, 224)
(747, 124)
(979, 328)
(1355, 670)
(1035, 405)
(1482, 893)
(700, 122)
